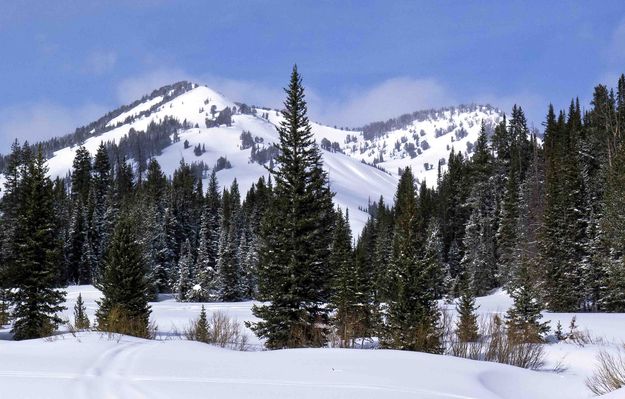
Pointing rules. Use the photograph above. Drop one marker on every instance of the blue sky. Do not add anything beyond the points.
(65, 63)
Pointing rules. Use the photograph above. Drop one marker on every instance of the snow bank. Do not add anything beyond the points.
(94, 366)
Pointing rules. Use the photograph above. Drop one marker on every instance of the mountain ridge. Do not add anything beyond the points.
(194, 123)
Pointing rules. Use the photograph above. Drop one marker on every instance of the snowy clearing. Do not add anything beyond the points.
(96, 365)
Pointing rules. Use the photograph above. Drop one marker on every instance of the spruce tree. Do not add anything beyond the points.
(124, 307)
(296, 236)
(81, 320)
(507, 235)
(479, 262)
(202, 329)
(208, 243)
(412, 316)
(347, 299)
(81, 175)
(523, 318)
(563, 233)
(78, 262)
(230, 273)
(156, 183)
(101, 222)
(466, 326)
(184, 286)
(34, 267)
(613, 232)
(529, 222)
(378, 241)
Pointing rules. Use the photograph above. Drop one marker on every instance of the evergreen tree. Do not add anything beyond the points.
(381, 238)
(479, 261)
(228, 264)
(347, 300)
(613, 231)
(529, 222)
(159, 253)
(10, 203)
(523, 318)
(100, 224)
(183, 199)
(34, 267)
(77, 249)
(171, 248)
(412, 316)
(208, 245)
(296, 236)
(563, 234)
(507, 235)
(156, 183)
(81, 320)
(124, 307)
(202, 329)
(81, 175)
(184, 286)
(466, 326)
(124, 184)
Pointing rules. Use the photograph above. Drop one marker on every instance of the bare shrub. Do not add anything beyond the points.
(120, 321)
(495, 344)
(219, 330)
(610, 373)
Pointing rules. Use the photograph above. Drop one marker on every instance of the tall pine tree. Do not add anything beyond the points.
(296, 236)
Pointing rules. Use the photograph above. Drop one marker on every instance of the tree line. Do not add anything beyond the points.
(541, 218)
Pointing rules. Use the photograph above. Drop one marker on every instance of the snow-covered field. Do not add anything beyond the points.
(94, 365)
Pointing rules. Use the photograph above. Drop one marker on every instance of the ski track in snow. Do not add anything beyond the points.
(109, 376)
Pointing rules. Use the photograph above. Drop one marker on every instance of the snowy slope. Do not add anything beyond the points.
(353, 181)
(426, 140)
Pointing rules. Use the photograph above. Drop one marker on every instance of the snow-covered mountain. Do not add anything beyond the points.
(419, 140)
(423, 139)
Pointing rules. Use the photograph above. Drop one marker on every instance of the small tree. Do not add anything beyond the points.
(466, 326)
(523, 318)
(81, 320)
(202, 330)
(124, 308)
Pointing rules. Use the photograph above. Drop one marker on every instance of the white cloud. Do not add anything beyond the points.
(388, 99)
(39, 121)
(100, 62)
